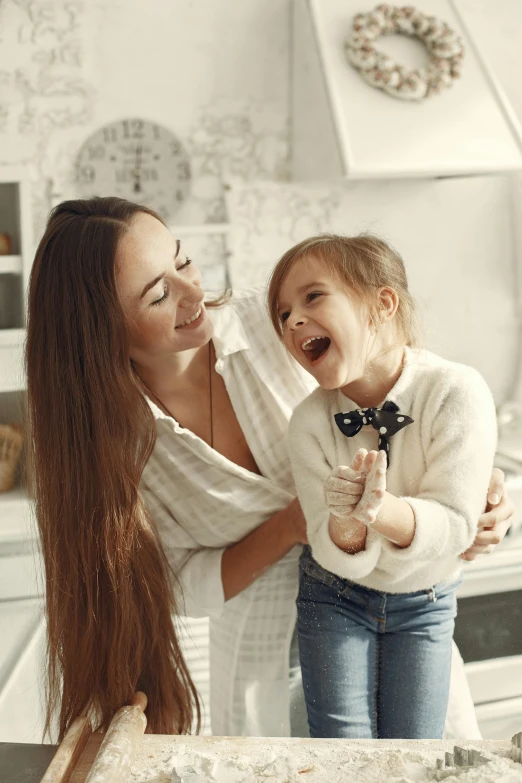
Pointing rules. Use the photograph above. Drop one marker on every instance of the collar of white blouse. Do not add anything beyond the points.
(229, 333)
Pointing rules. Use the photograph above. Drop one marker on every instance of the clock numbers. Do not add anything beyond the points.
(138, 160)
(96, 152)
(132, 129)
(110, 134)
(128, 175)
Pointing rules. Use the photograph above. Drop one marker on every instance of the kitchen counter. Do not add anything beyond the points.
(226, 759)
(23, 763)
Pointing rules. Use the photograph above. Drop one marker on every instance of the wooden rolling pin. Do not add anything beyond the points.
(68, 753)
(114, 759)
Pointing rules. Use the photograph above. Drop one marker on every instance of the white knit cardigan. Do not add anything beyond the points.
(440, 464)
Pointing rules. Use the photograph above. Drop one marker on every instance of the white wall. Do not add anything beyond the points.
(216, 73)
(455, 236)
(213, 72)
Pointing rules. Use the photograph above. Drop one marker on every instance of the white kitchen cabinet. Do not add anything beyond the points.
(22, 656)
(21, 584)
(22, 641)
(500, 719)
(15, 223)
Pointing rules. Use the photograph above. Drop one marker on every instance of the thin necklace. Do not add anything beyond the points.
(210, 393)
(162, 404)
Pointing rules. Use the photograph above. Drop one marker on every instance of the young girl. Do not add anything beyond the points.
(391, 456)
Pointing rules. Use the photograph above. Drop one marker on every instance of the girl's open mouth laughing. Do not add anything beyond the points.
(315, 348)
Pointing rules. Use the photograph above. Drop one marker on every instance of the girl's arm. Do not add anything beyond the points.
(441, 519)
(330, 539)
(349, 534)
(395, 521)
(356, 498)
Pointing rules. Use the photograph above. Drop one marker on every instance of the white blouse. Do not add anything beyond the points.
(202, 503)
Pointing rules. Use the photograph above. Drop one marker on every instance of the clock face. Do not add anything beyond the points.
(137, 160)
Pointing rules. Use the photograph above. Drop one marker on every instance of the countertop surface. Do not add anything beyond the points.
(24, 763)
(219, 759)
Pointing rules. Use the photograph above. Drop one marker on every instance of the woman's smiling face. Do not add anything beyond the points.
(325, 328)
(160, 291)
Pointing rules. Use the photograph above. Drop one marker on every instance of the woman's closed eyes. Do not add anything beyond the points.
(159, 301)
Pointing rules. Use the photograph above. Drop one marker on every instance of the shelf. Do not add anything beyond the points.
(15, 212)
(11, 265)
(16, 497)
(499, 572)
(342, 127)
(491, 681)
(12, 370)
(12, 337)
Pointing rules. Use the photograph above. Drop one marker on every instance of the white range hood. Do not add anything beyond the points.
(342, 127)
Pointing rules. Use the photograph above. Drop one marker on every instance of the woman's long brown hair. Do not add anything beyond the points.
(109, 590)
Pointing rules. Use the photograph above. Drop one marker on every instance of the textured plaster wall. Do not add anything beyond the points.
(216, 73)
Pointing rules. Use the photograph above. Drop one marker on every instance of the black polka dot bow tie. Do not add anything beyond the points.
(386, 420)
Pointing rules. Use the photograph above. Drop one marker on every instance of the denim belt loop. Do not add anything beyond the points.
(432, 595)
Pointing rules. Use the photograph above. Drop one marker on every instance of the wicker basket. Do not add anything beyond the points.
(10, 446)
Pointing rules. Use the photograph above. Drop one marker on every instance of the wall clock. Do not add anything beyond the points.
(138, 160)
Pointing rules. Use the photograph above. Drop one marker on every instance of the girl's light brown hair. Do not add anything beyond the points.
(362, 264)
(109, 590)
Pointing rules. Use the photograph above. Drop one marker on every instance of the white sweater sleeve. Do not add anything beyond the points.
(196, 571)
(459, 459)
(311, 468)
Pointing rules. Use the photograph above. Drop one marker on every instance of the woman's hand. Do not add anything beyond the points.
(495, 521)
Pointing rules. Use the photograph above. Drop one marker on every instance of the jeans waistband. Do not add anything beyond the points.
(314, 569)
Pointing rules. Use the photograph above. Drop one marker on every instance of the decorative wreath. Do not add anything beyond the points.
(444, 47)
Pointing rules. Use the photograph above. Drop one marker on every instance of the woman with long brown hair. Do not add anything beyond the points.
(161, 478)
(108, 597)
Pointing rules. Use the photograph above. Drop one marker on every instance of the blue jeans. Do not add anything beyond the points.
(375, 665)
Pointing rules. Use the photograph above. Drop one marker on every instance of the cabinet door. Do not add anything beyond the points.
(500, 720)
(16, 246)
(12, 374)
(22, 656)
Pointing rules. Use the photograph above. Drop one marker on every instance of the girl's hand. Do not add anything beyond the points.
(343, 489)
(371, 501)
(495, 521)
